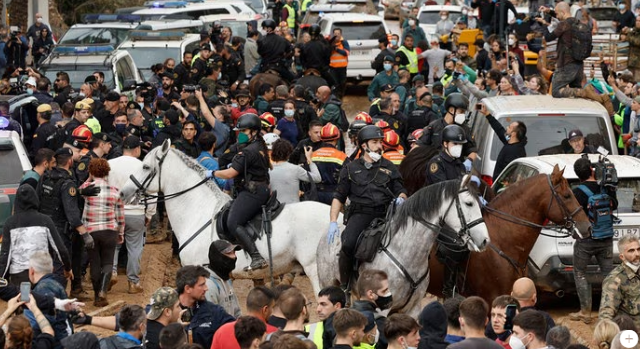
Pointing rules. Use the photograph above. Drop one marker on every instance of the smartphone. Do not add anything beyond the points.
(25, 291)
(478, 106)
(511, 313)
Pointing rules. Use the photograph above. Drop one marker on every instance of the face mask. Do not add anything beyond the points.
(448, 71)
(121, 128)
(511, 42)
(219, 76)
(234, 105)
(375, 157)
(459, 118)
(464, 12)
(243, 138)
(507, 136)
(622, 7)
(455, 151)
(141, 104)
(289, 112)
(81, 94)
(412, 22)
(376, 338)
(384, 302)
(29, 91)
(394, 42)
(632, 266)
(387, 66)
(39, 20)
(516, 343)
(444, 18)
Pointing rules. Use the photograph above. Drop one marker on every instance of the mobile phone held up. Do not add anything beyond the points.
(510, 314)
(25, 291)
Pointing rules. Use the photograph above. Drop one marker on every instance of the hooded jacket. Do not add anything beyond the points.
(433, 320)
(28, 231)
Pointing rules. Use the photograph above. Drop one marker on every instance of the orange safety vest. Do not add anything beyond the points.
(338, 60)
(329, 154)
(393, 156)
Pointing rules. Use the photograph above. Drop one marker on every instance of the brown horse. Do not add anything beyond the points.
(514, 219)
(270, 77)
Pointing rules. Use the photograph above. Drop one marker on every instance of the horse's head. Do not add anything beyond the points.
(148, 178)
(466, 220)
(564, 210)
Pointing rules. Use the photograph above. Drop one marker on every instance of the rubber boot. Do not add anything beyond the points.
(102, 301)
(257, 262)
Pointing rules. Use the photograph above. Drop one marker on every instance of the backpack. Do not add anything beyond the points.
(581, 41)
(600, 212)
(343, 122)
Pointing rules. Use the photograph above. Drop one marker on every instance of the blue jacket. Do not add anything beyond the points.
(48, 286)
(210, 163)
(207, 319)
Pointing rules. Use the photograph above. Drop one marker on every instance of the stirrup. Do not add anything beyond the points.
(263, 264)
(3, 282)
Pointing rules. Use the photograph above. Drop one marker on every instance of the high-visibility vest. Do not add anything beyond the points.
(305, 5)
(393, 156)
(315, 331)
(338, 60)
(412, 56)
(329, 154)
(291, 18)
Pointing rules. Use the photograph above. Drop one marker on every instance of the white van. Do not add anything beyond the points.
(157, 10)
(100, 29)
(548, 121)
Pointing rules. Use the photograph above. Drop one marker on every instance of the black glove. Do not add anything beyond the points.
(90, 190)
(88, 241)
(81, 319)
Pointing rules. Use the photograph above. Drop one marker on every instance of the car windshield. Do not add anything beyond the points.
(432, 17)
(361, 30)
(237, 27)
(603, 14)
(548, 135)
(625, 191)
(78, 74)
(85, 36)
(10, 166)
(145, 57)
(257, 5)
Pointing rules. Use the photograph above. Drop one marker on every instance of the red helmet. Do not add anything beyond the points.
(82, 134)
(364, 116)
(415, 135)
(267, 120)
(329, 132)
(384, 126)
(391, 139)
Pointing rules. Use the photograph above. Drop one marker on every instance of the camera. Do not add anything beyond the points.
(191, 88)
(604, 170)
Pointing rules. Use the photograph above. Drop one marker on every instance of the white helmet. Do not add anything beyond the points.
(269, 139)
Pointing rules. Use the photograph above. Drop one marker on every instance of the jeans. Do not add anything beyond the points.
(134, 237)
(583, 250)
(571, 75)
(340, 78)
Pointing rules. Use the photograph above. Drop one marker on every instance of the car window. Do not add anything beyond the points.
(10, 166)
(145, 57)
(83, 36)
(603, 14)
(627, 190)
(77, 74)
(123, 71)
(547, 135)
(432, 17)
(360, 30)
(257, 5)
(513, 174)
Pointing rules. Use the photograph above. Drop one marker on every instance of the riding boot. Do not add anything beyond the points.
(257, 262)
(450, 278)
(345, 265)
(101, 300)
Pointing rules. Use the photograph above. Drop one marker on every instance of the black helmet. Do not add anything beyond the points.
(454, 133)
(269, 23)
(248, 121)
(457, 100)
(314, 30)
(355, 127)
(369, 132)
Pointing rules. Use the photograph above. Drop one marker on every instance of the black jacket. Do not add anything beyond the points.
(172, 132)
(368, 307)
(509, 152)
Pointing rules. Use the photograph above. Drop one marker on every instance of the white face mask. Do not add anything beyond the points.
(377, 337)
(444, 18)
(511, 42)
(219, 75)
(412, 22)
(455, 151)
(464, 12)
(516, 343)
(39, 20)
(375, 156)
(632, 266)
(459, 118)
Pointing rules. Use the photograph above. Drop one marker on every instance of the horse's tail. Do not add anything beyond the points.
(414, 167)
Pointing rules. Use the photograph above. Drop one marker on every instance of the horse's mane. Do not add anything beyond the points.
(426, 202)
(194, 165)
(413, 167)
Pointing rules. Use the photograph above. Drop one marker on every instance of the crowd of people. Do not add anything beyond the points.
(293, 138)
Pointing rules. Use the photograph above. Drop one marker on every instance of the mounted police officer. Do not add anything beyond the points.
(316, 54)
(250, 168)
(274, 50)
(58, 196)
(370, 183)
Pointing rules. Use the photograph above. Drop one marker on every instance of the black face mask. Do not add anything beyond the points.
(448, 71)
(384, 302)
(504, 335)
(221, 264)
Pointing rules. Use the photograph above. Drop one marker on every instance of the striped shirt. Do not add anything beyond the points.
(104, 211)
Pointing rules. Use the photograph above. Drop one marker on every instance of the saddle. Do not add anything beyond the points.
(312, 71)
(254, 226)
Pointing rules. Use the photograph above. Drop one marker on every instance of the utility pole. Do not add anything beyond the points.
(5, 6)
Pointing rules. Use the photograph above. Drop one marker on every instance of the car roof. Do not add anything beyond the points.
(160, 43)
(541, 104)
(316, 8)
(337, 17)
(437, 8)
(626, 166)
(15, 138)
(117, 25)
(187, 8)
(99, 59)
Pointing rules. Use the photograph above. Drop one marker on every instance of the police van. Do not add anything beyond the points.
(188, 26)
(150, 47)
(100, 29)
(192, 9)
(120, 71)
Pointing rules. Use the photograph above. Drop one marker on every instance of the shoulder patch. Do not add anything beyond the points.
(72, 191)
(82, 166)
(434, 167)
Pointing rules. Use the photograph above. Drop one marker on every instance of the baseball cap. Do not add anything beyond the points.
(112, 96)
(80, 340)
(31, 81)
(133, 105)
(224, 246)
(388, 58)
(43, 108)
(575, 134)
(162, 298)
(242, 93)
(132, 130)
(101, 136)
(172, 115)
(82, 106)
(167, 74)
(387, 88)
(64, 152)
(205, 47)
(131, 142)
(90, 79)
(418, 77)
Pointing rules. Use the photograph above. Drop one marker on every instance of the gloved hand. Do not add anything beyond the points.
(483, 202)
(333, 232)
(208, 174)
(518, 21)
(399, 201)
(475, 180)
(90, 190)
(467, 164)
(88, 241)
(81, 319)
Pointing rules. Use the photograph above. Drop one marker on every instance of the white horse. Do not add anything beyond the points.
(449, 208)
(296, 231)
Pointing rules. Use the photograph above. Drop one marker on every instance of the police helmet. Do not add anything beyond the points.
(456, 100)
(269, 23)
(355, 127)
(369, 132)
(314, 30)
(248, 121)
(454, 133)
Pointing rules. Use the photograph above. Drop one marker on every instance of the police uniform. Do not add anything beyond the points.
(43, 136)
(82, 168)
(233, 69)
(198, 69)
(621, 294)
(443, 167)
(432, 136)
(370, 191)
(274, 49)
(316, 54)
(381, 80)
(330, 162)
(276, 108)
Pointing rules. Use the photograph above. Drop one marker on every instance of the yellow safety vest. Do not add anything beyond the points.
(412, 56)
(315, 331)
(291, 18)
(304, 6)
(93, 124)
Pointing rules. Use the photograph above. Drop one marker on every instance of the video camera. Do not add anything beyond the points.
(604, 170)
(194, 88)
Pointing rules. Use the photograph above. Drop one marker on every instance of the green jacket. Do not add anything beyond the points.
(260, 105)
(373, 91)
(621, 294)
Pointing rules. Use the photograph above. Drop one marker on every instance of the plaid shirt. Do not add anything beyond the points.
(104, 211)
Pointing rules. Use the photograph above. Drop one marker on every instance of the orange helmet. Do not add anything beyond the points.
(364, 116)
(329, 132)
(415, 135)
(82, 134)
(391, 139)
(268, 120)
(384, 126)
